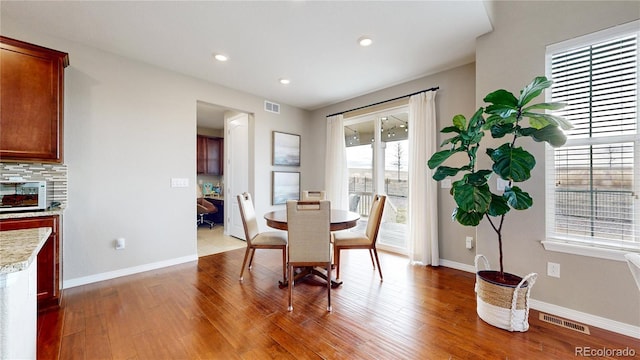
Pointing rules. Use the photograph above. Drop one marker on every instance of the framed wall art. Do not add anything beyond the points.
(285, 185)
(286, 149)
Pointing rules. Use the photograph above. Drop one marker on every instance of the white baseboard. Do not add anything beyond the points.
(457, 265)
(128, 271)
(593, 320)
(570, 314)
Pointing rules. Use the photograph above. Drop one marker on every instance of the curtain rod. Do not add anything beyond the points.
(385, 101)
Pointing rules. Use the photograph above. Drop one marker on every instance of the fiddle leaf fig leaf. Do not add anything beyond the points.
(478, 178)
(498, 205)
(550, 134)
(502, 97)
(502, 111)
(545, 106)
(547, 119)
(452, 140)
(517, 198)
(450, 129)
(443, 171)
(440, 157)
(460, 122)
(500, 130)
(512, 163)
(537, 122)
(467, 218)
(472, 198)
(477, 120)
(532, 90)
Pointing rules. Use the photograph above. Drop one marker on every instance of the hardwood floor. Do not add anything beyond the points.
(199, 310)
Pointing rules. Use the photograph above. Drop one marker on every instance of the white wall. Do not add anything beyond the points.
(129, 129)
(510, 57)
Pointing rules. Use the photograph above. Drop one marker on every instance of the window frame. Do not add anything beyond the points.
(581, 246)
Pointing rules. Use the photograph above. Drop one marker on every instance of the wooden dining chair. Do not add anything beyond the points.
(347, 240)
(257, 240)
(309, 233)
(311, 195)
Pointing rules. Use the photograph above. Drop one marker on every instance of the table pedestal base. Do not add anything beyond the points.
(311, 275)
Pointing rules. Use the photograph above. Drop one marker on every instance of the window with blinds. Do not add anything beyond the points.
(591, 181)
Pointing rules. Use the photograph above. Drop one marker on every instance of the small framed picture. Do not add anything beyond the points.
(285, 185)
(286, 149)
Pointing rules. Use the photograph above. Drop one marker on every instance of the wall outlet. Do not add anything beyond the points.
(553, 269)
(445, 184)
(120, 243)
(469, 242)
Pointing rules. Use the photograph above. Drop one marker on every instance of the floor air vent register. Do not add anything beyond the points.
(567, 324)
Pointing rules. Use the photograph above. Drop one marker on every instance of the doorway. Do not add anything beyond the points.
(220, 185)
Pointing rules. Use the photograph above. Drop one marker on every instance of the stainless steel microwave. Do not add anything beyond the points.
(23, 195)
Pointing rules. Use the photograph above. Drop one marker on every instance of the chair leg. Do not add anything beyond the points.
(244, 262)
(336, 256)
(251, 259)
(290, 308)
(284, 266)
(378, 261)
(329, 287)
(372, 262)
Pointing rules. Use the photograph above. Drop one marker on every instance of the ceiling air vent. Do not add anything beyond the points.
(271, 107)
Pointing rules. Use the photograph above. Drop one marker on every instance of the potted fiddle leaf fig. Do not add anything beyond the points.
(503, 117)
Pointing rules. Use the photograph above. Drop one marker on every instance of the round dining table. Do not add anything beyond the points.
(340, 220)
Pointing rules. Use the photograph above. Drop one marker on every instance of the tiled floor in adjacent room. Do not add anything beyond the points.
(213, 241)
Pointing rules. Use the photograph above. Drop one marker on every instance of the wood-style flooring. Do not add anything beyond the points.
(200, 310)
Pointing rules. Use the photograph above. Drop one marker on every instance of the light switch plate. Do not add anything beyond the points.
(179, 182)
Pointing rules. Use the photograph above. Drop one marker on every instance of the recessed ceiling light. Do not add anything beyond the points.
(285, 81)
(365, 41)
(221, 57)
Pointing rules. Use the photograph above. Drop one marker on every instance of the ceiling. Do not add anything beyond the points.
(312, 43)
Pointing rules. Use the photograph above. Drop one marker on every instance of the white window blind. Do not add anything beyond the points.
(592, 180)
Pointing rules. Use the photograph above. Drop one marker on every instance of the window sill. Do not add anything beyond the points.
(584, 250)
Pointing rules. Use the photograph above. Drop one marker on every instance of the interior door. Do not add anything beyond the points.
(236, 171)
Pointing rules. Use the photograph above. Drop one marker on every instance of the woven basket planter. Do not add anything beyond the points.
(503, 306)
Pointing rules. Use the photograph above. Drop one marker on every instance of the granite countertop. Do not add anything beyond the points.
(18, 248)
(29, 214)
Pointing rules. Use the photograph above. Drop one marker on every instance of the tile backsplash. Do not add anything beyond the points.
(54, 174)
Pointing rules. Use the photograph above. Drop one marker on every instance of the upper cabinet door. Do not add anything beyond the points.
(210, 156)
(31, 108)
(201, 154)
(214, 156)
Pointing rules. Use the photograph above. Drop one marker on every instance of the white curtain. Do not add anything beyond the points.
(336, 178)
(423, 207)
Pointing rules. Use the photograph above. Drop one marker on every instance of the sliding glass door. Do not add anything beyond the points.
(377, 159)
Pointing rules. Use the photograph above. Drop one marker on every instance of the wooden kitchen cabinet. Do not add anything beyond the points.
(210, 155)
(48, 259)
(31, 106)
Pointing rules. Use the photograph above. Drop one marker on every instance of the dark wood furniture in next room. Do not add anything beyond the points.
(209, 155)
